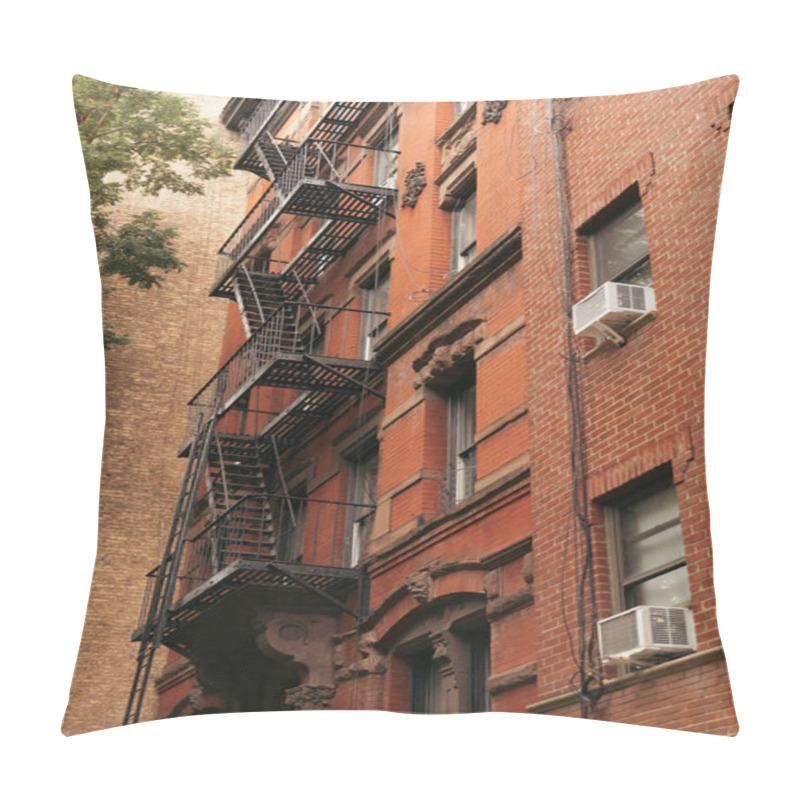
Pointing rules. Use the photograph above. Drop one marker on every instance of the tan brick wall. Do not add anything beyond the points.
(174, 348)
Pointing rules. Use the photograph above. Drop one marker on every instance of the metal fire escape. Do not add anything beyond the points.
(234, 453)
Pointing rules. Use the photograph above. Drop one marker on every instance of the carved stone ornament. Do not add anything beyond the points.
(371, 660)
(415, 183)
(310, 698)
(420, 585)
(493, 110)
(441, 358)
(306, 637)
(457, 144)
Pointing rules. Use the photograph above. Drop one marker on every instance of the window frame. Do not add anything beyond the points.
(626, 581)
(375, 303)
(360, 519)
(427, 695)
(384, 164)
(639, 265)
(291, 536)
(461, 444)
(463, 252)
(460, 107)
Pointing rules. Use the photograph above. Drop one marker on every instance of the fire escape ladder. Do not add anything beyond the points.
(167, 574)
(267, 168)
(241, 526)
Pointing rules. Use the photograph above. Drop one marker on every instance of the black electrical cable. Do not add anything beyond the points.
(588, 672)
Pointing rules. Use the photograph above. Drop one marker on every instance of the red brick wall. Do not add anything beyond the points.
(643, 403)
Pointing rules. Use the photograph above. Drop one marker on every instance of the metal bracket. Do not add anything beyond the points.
(343, 376)
(316, 590)
(361, 200)
(609, 333)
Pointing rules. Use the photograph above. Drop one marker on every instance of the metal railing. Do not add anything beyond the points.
(287, 330)
(459, 480)
(260, 114)
(314, 160)
(244, 531)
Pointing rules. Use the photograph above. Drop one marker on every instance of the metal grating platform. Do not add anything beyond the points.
(337, 582)
(340, 201)
(298, 420)
(298, 371)
(336, 123)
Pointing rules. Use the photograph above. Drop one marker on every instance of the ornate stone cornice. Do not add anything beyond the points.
(415, 183)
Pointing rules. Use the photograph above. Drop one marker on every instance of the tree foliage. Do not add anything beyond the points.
(138, 140)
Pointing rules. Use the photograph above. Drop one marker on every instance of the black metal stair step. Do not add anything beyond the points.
(248, 543)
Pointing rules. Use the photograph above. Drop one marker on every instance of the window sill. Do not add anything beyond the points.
(682, 664)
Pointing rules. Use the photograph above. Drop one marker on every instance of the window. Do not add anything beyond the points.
(450, 668)
(427, 696)
(478, 642)
(315, 338)
(463, 232)
(461, 443)
(460, 106)
(618, 250)
(374, 323)
(292, 526)
(384, 170)
(363, 496)
(652, 564)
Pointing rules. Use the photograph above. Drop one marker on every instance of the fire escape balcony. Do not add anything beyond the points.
(236, 557)
(280, 354)
(326, 179)
(263, 154)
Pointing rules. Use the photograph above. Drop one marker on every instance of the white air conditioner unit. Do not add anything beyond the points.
(646, 634)
(611, 307)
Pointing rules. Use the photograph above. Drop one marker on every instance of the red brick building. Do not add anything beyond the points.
(421, 476)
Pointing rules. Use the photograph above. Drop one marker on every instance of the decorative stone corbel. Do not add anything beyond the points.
(306, 638)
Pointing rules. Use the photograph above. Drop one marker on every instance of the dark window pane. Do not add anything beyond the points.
(619, 246)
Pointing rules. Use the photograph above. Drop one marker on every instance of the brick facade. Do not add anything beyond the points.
(473, 591)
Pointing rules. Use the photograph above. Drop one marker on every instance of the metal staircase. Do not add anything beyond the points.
(222, 540)
(164, 578)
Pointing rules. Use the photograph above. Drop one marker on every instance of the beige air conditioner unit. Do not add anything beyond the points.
(646, 634)
(611, 307)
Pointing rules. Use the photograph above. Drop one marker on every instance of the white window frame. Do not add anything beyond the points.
(376, 303)
(463, 232)
(461, 457)
(384, 163)
(362, 491)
